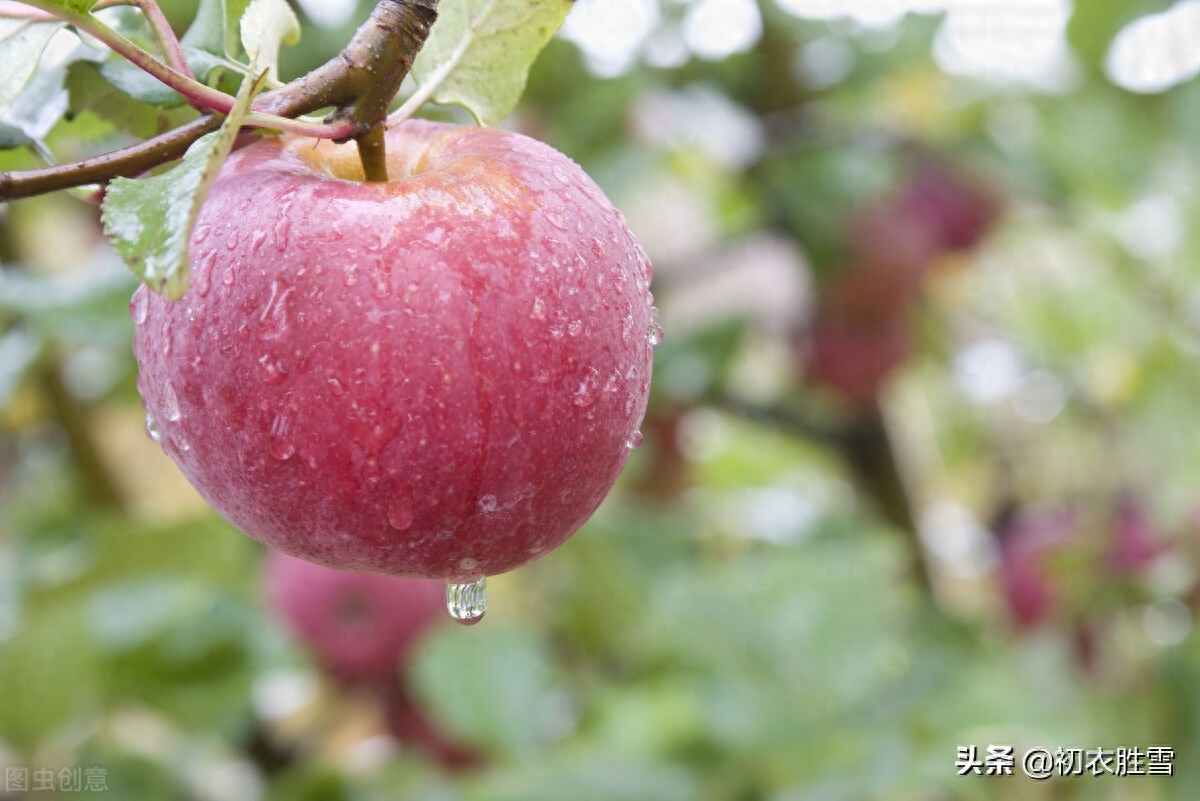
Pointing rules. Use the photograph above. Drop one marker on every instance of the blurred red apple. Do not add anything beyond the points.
(856, 361)
(359, 627)
(956, 210)
(1133, 547)
(1028, 543)
(438, 376)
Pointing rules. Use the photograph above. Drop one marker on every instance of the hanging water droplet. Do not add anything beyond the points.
(170, 403)
(467, 602)
(152, 429)
(655, 334)
(139, 307)
(400, 510)
(635, 439)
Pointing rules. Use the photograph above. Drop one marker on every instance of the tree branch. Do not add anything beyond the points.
(359, 83)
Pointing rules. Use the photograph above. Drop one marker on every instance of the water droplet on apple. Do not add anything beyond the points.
(139, 307)
(555, 219)
(202, 276)
(635, 439)
(383, 287)
(655, 333)
(260, 236)
(539, 310)
(487, 504)
(232, 241)
(556, 330)
(280, 446)
(270, 371)
(274, 317)
(467, 602)
(228, 278)
(372, 473)
(350, 275)
(574, 327)
(585, 393)
(152, 430)
(400, 511)
(170, 403)
(200, 234)
(283, 222)
(336, 386)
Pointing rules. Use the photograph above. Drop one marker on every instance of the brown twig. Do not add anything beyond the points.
(359, 83)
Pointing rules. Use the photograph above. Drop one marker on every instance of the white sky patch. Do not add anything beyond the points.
(868, 13)
(1158, 51)
(610, 32)
(716, 29)
(1022, 40)
(1011, 39)
(1151, 227)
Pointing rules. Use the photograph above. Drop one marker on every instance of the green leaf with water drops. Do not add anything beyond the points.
(21, 46)
(480, 51)
(149, 220)
(265, 26)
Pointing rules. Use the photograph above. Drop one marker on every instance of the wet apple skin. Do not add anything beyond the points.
(437, 376)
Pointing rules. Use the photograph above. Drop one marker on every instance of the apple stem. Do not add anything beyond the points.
(372, 154)
(359, 83)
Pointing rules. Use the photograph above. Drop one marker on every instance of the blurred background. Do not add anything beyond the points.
(919, 479)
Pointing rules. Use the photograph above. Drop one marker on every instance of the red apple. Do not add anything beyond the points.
(956, 209)
(854, 360)
(1028, 544)
(358, 626)
(1134, 546)
(439, 376)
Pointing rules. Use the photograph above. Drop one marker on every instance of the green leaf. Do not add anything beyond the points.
(149, 220)
(490, 686)
(215, 28)
(265, 26)
(42, 102)
(480, 51)
(141, 86)
(21, 46)
(90, 91)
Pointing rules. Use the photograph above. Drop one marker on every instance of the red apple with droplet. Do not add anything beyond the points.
(436, 376)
